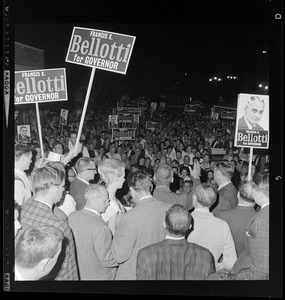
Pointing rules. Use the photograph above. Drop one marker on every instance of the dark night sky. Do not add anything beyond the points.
(207, 40)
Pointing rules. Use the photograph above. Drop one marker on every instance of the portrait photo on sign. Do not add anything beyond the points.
(253, 112)
(252, 121)
(113, 121)
(23, 134)
(63, 117)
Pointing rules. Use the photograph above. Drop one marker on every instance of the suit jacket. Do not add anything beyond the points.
(253, 263)
(238, 220)
(227, 199)
(77, 190)
(35, 213)
(93, 241)
(138, 228)
(164, 194)
(243, 125)
(174, 260)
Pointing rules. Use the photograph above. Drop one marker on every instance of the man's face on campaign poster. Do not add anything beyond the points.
(63, 113)
(254, 111)
(24, 131)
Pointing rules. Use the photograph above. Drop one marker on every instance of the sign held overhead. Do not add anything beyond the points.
(100, 49)
(46, 85)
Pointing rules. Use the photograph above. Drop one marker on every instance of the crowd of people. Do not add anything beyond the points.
(163, 206)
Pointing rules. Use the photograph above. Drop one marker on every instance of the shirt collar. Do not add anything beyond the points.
(18, 275)
(20, 172)
(43, 202)
(249, 126)
(245, 205)
(264, 205)
(93, 210)
(145, 197)
(202, 209)
(83, 180)
(223, 184)
(168, 237)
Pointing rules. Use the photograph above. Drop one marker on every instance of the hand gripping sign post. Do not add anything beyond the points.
(100, 49)
(38, 86)
(252, 123)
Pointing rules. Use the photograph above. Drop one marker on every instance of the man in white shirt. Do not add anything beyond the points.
(23, 159)
(209, 231)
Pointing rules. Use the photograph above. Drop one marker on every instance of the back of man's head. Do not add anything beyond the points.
(36, 244)
(177, 220)
(45, 177)
(140, 181)
(261, 180)
(164, 174)
(245, 192)
(226, 168)
(205, 195)
(93, 193)
(21, 149)
(83, 163)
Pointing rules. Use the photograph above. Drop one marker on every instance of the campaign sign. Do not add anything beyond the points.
(46, 85)
(127, 110)
(190, 108)
(128, 118)
(113, 121)
(63, 117)
(120, 134)
(252, 121)
(152, 125)
(101, 49)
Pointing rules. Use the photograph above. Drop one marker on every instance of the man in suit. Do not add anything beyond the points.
(139, 227)
(86, 170)
(163, 178)
(239, 217)
(253, 112)
(255, 258)
(174, 258)
(93, 238)
(227, 192)
(253, 263)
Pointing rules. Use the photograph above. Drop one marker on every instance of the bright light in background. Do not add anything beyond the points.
(231, 77)
(264, 51)
(215, 79)
(266, 87)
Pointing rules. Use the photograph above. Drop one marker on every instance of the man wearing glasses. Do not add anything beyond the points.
(86, 170)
